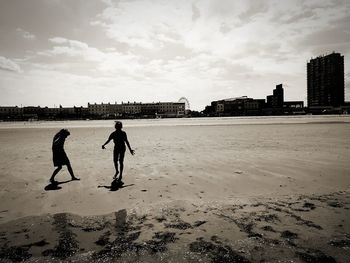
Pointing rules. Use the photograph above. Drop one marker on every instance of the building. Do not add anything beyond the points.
(254, 106)
(244, 106)
(98, 109)
(293, 107)
(220, 106)
(137, 109)
(131, 108)
(75, 112)
(94, 110)
(325, 81)
(32, 112)
(115, 109)
(293, 104)
(277, 99)
(275, 104)
(10, 112)
(241, 106)
(149, 109)
(51, 112)
(68, 111)
(81, 112)
(171, 109)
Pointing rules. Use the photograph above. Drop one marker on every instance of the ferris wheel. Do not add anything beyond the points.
(187, 104)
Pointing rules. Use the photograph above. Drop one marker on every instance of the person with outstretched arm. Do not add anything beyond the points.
(119, 138)
(59, 155)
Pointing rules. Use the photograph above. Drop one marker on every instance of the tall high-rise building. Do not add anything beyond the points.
(325, 81)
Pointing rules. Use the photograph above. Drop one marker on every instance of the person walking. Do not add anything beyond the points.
(119, 138)
(60, 157)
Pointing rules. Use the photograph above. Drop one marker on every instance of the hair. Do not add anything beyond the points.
(118, 125)
(64, 132)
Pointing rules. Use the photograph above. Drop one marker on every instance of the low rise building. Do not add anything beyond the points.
(10, 112)
(32, 112)
(171, 109)
(51, 112)
(293, 104)
(131, 108)
(115, 109)
(239, 106)
(98, 109)
(149, 109)
(276, 100)
(94, 110)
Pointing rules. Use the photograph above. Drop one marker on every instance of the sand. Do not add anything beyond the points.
(210, 190)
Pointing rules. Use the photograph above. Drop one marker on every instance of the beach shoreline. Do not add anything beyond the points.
(211, 190)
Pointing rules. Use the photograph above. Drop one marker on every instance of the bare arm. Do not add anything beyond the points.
(128, 144)
(109, 139)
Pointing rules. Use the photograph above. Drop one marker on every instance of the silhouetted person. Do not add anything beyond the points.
(59, 155)
(120, 139)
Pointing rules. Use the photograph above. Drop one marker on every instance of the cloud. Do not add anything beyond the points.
(153, 49)
(9, 65)
(44, 19)
(327, 36)
(253, 9)
(73, 48)
(334, 35)
(73, 56)
(140, 23)
(227, 47)
(25, 34)
(195, 13)
(222, 27)
(58, 40)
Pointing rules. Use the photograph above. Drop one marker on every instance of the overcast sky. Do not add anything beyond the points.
(72, 52)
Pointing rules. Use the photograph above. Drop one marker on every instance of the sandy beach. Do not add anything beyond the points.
(210, 190)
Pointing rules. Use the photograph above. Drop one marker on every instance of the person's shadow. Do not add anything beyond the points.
(52, 186)
(115, 186)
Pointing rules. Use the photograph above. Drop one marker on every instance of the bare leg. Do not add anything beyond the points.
(115, 159)
(52, 179)
(116, 169)
(70, 170)
(121, 163)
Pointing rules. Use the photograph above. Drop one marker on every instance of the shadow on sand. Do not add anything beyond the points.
(55, 185)
(115, 186)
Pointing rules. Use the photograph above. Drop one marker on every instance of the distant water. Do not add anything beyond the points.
(182, 121)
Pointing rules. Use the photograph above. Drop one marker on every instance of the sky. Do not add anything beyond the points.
(71, 52)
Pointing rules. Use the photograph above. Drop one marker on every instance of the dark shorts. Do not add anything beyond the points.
(60, 158)
(118, 155)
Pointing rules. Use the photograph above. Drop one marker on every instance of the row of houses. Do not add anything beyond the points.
(244, 106)
(37, 112)
(155, 109)
(95, 110)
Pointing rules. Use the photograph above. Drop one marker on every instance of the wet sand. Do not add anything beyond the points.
(216, 190)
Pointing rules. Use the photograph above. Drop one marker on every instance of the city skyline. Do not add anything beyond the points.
(70, 53)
